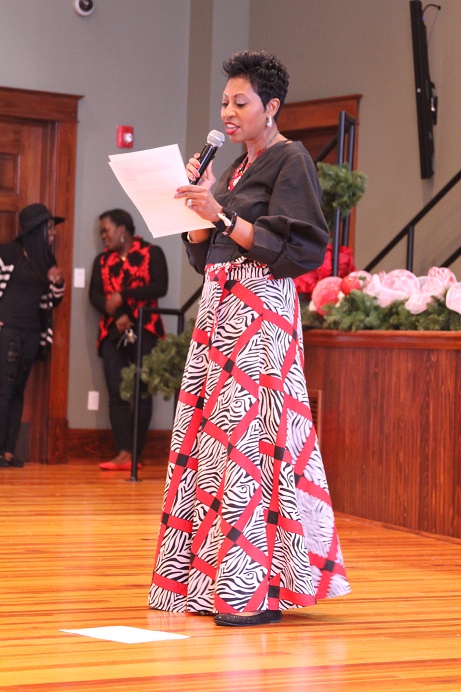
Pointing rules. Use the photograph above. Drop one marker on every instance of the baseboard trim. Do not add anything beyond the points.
(98, 445)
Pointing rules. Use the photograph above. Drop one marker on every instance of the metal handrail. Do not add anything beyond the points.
(180, 314)
(340, 232)
(408, 231)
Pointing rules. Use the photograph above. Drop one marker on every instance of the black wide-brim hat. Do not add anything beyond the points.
(33, 215)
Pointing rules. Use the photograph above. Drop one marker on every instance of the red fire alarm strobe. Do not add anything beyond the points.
(125, 136)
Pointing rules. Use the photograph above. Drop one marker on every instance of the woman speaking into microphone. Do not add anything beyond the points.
(247, 526)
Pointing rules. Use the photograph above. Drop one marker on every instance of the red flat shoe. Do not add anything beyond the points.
(113, 466)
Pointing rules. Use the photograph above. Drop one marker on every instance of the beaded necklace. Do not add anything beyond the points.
(240, 170)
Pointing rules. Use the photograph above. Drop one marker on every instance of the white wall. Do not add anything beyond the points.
(215, 33)
(333, 47)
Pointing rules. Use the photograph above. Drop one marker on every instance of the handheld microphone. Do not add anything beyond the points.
(214, 140)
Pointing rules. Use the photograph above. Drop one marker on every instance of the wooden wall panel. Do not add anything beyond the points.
(98, 445)
(391, 426)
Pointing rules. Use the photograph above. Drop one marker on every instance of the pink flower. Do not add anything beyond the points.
(388, 295)
(326, 291)
(363, 276)
(384, 295)
(418, 302)
(445, 275)
(374, 286)
(401, 280)
(453, 298)
(399, 284)
(432, 285)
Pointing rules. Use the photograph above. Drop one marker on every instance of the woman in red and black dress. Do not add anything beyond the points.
(129, 274)
(247, 526)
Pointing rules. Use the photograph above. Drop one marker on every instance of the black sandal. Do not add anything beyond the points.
(14, 461)
(265, 617)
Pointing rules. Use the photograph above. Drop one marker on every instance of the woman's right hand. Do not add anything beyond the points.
(113, 301)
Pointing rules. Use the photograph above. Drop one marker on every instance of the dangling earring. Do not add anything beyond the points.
(269, 121)
(122, 239)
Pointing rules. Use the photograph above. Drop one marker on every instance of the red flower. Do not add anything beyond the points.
(326, 292)
(307, 282)
(350, 283)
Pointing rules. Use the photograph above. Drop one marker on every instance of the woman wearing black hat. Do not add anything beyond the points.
(31, 285)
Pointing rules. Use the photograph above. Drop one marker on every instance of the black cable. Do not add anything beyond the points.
(431, 4)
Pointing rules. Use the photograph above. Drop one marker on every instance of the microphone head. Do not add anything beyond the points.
(215, 138)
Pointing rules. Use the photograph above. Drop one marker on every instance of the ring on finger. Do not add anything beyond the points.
(189, 202)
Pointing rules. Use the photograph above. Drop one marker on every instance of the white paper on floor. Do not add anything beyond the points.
(126, 635)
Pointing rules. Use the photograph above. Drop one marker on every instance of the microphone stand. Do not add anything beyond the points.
(137, 387)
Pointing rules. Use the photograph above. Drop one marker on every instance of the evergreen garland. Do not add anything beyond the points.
(342, 189)
(161, 369)
(358, 311)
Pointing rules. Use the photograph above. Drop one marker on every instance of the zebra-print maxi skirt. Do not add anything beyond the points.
(247, 522)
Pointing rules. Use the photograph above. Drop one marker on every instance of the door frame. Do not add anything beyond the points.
(48, 443)
(302, 119)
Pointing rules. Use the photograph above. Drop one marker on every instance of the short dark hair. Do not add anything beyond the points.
(266, 74)
(120, 217)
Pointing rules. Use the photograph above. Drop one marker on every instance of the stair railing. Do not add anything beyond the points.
(345, 154)
(408, 231)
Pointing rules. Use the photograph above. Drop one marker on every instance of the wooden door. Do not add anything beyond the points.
(314, 123)
(25, 166)
(37, 164)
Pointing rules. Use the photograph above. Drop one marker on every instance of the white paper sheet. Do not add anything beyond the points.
(126, 635)
(150, 178)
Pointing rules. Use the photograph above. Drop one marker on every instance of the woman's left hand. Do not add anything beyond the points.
(123, 323)
(55, 275)
(200, 199)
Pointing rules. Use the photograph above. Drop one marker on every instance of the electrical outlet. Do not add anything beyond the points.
(93, 401)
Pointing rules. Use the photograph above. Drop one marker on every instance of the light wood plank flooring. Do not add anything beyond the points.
(77, 548)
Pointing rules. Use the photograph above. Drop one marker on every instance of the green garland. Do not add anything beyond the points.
(359, 311)
(161, 369)
(342, 189)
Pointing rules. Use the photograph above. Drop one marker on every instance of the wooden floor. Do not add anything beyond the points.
(77, 548)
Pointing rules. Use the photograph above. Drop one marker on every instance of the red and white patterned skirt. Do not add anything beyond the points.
(247, 521)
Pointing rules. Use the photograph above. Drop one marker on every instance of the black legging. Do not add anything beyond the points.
(18, 350)
(121, 412)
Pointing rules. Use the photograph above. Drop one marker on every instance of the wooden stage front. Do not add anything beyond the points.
(77, 552)
(389, 413)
